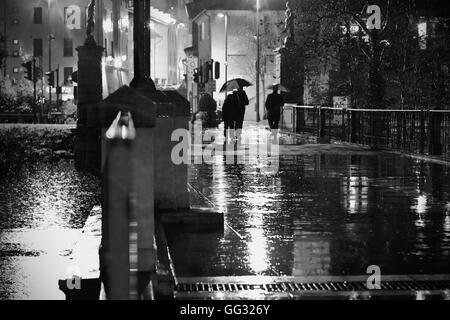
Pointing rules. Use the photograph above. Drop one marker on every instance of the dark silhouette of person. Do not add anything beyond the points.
(229, 115)
(274, 103)
(240, 100)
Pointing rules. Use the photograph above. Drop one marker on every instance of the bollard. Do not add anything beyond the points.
(117, 179)
(141, 156)
(182, 117)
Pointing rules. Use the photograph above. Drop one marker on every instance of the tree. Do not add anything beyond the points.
(335, 35)
(3, 51)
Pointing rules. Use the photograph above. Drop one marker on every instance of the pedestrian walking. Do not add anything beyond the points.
(240, 100)
(274, 103)
(229, 117)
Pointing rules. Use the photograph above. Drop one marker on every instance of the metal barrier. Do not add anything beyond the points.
(411, 131)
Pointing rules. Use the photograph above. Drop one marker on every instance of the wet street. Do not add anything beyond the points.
(42, 210)
(330, 213)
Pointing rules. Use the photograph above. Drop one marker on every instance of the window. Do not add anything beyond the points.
(37, 47)
(68, 75)
(15, 42)
(68, 47)
(16, 53)
(422, 31)
(37, 17)
(15, 70)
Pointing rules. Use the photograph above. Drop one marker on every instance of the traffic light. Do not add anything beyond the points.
(28, 70)
(200, 74)
(217, 70)
(37, 74)
(50, 78)
(196, 75)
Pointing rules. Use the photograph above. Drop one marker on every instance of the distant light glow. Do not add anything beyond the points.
(221, 15)
(108, 25)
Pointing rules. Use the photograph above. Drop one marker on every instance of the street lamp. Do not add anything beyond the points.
(224, 15)
(258, 62)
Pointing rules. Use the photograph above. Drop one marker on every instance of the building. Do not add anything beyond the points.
(51, 30)
(237, 55)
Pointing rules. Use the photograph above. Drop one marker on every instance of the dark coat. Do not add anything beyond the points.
(274, 103)
(229, 109)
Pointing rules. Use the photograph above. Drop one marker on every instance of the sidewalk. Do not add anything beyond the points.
(330, 210)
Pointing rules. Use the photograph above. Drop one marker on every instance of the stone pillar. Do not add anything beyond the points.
(182, 117)
(141, 155)
(165, 197)
(291, 72)
(87, 142)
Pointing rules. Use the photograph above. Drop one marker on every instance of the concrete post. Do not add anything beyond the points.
(181, 121)
(115, 221)
(141, 156)
(165, 197)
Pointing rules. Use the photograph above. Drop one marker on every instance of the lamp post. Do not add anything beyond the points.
(224, 15)
(258, 62)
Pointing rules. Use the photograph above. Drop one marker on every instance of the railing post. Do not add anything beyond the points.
(434, 136)
(353, 126)
(322, 122)
(422, 132)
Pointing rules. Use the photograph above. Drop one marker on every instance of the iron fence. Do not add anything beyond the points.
(411, 131)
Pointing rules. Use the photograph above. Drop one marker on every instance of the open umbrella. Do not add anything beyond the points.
(237, 83)
(280, 87)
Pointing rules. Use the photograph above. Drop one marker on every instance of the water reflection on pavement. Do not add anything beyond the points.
(329, 214)
(42, 210)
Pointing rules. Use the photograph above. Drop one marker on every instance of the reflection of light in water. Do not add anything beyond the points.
(420, 208)
(447, 223)
(257, 254)
(219, 197)
(447, 218)
(257, 244)
(356, 192)
(311, 255)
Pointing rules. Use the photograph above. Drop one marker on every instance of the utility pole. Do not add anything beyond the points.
(58, 88)
(50, 38)
(226, 51)
(258, 61)
(5, 24)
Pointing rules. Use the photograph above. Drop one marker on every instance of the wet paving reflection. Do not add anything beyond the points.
(42, 211)
(321, 215)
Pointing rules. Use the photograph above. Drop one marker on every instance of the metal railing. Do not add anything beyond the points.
(412, 131)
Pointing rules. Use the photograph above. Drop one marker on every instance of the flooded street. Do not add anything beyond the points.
(321, 215)
(42, 211)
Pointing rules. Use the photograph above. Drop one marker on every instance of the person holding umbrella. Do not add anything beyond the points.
(274, 103)
(234, 105)
(229, 116)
